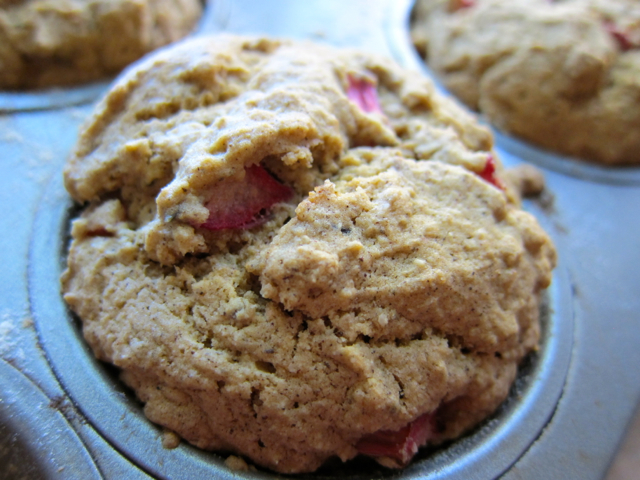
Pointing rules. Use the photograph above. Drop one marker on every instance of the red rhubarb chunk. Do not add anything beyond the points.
(400, 445)
(455, 5)
(243, 204)
(363, 93)
(621, 37)
(489, 174)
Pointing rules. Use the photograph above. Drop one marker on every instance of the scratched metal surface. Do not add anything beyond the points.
(566, 415)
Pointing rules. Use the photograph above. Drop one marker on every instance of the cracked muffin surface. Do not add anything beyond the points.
(294, 253)
(562, 74)
(67, 42)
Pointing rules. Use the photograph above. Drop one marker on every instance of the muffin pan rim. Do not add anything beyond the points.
(59, 453)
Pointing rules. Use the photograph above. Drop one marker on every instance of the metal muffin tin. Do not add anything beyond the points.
(566, 413)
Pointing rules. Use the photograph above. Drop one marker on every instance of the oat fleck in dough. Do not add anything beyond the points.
(562, 74)
(63, 42)
(295, 253)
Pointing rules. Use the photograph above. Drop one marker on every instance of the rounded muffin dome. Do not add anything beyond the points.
(294, 252)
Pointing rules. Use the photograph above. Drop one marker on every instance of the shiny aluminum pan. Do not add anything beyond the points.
(37, 441)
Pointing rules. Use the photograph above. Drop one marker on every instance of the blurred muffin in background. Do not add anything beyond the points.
(64, 42)
(564, 75)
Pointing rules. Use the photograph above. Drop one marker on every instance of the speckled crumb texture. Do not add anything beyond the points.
(295, 253)
(65, 42)
(562, 74)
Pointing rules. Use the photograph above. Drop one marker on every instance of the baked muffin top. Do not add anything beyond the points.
(294, 252)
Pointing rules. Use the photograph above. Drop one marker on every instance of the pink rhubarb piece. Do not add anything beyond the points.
(621, 37)
(363, 93)
(401, 445)
(455, 5)
(489, 174)
(243, 204)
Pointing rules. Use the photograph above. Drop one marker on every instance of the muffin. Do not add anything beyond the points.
(295, 253)
(64, 42)
(564, 75)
